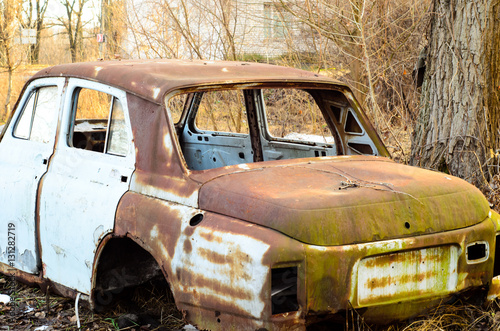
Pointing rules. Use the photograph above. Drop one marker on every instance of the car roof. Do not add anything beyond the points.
(152, 79)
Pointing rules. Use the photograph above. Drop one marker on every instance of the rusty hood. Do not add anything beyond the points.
(343, 200)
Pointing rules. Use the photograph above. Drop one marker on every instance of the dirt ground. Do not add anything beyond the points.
(33, 310)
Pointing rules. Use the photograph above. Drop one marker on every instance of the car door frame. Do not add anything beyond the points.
(79, 197)
(21, 226)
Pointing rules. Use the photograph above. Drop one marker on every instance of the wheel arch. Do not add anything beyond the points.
(121, 262)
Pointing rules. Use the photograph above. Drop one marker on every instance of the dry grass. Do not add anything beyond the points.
(32, 308)
(457, 317)
(21, 75)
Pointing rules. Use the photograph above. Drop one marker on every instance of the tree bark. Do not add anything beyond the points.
(457, 128)
(9, 12)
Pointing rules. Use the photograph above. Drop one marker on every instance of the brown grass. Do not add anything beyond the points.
(21, 75)
(33, 308)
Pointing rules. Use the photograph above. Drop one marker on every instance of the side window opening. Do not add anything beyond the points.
(293, 125)
(99, 123)
(350, 129)
(217, 132)
(293, 114)
(176, 106)
(222, 111)
(37, 121)
(351, 124)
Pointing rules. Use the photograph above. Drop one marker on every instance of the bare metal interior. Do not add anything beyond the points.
(341, 134)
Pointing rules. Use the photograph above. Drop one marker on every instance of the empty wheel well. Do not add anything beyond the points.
(123, 265)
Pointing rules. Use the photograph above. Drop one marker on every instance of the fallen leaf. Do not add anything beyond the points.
(40, 314)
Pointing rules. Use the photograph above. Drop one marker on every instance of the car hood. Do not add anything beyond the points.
(344, 200)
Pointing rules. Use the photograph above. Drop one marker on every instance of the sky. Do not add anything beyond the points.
(91, 10)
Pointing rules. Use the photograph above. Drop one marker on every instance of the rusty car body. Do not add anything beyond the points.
(261, 194)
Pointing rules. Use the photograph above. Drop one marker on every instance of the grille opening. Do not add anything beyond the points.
(477, 251)
(284, 290)
(496, 269)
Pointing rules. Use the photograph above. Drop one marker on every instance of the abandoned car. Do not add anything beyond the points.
(261, 194)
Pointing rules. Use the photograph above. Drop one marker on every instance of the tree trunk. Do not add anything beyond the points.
(10, 71)
(457, 128)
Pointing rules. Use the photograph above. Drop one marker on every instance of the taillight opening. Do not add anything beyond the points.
(477, 252)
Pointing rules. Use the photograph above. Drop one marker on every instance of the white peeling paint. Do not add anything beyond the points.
(156, 91)
(381, 246)
(242, 271)
(97, 234)
(154, 232)
(318, 248)
(23, 163)
(79, 198)
(57, 249)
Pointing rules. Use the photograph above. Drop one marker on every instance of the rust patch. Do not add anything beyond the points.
(400, 279)
(199, 281)
(230, 258)
(188, 231)
(187, 246)
(141, 77)
(210, 237)
(151, 216)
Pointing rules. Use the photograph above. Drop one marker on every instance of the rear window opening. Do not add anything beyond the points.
(218, 128)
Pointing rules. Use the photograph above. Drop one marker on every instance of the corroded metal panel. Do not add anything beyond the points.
(419, 273)
(152, 79)
(159, 168)
(219, 265)
(342, 200)
(340, 277)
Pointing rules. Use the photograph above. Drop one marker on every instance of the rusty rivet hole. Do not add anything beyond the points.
(407, 225)
(196, 219)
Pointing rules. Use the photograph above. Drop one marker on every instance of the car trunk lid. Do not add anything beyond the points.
(344, 200)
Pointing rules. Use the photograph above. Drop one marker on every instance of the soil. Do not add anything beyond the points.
(31, 309)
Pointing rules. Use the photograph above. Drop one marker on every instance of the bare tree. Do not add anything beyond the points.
(9, 20)
(458, 127)
(202, 29)
(377, 42)
(33, 18)
(113, 25)
(73, 25)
